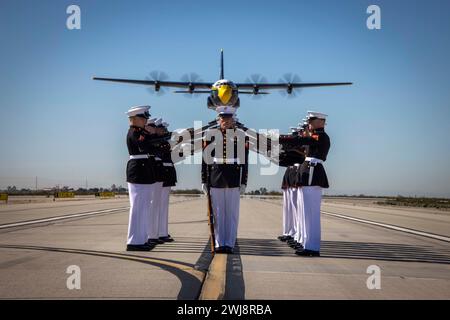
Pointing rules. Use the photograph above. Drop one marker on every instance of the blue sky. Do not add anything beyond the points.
(390, 131)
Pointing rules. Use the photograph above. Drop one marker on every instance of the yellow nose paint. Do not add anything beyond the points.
(225, 93)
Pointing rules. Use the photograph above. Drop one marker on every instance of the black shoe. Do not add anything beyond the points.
(307, 253)
(298, 247)
(167, 238)
(154, 242)
(293, 244)
(290, 241)
(284, 238)
(220, 250)
(151, 244)
(139, 247)
(228, 250)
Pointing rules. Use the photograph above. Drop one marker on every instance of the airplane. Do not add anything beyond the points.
(223, 92)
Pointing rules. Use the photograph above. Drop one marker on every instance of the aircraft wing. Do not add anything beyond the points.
(268, 86)
(171, 84)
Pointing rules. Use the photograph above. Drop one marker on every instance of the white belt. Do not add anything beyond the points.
(142, 156)
(227, 161)
(312, 163)
(167, 164)
(139, 156)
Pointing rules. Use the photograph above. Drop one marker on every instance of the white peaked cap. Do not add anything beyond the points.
(225, 110)
(315, 114)
(158, 122)
(138, 110)
(303, 122)
(151, 121)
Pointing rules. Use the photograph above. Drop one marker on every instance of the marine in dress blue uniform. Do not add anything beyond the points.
(291, 159)
(169, 181)
(140, 179)
(156, 162)
(312, 178)
(227, 177)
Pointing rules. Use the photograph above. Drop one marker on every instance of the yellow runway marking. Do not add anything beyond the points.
(214, 285)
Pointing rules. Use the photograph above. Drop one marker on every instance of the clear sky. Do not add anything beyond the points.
(390, 131)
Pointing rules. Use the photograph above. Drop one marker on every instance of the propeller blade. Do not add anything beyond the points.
(256, 79)
(290, 92)
(191, 77)
(157, 76)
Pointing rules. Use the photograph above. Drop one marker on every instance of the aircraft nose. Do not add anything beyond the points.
(225, 93)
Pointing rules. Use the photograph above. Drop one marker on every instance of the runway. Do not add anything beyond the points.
(38, 241)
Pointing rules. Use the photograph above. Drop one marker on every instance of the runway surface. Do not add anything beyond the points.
(39, 241)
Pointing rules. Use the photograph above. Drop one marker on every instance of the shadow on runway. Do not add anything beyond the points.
(330, 249)
(185, 245)
(234, 286)
(190, 284)
(350, 250)
(204, 260)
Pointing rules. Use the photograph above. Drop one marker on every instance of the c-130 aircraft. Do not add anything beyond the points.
(224, 92)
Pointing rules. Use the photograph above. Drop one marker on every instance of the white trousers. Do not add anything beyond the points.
(294, 214)
(163, 230)
(300, 215)
(289, 210)
(312, 198)
(153, 222)
(225, 203)
(140, 201)
(287, 221)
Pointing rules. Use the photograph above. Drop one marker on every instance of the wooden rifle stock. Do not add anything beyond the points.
(212, 235)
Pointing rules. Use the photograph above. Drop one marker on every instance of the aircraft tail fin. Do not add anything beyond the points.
(222, 76)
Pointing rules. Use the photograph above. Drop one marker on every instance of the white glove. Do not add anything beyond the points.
(242, 189)
(273, 134)
(204, 188)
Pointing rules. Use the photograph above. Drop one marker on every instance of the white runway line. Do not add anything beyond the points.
(389, 226)
(69, 216)
(383, 225)
(75, 215)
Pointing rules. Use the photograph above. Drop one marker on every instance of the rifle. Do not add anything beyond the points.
(212, 234)
(196, 136)
(257, 141)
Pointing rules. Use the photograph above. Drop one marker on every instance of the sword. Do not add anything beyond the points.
(311, 173)
(312, 164)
